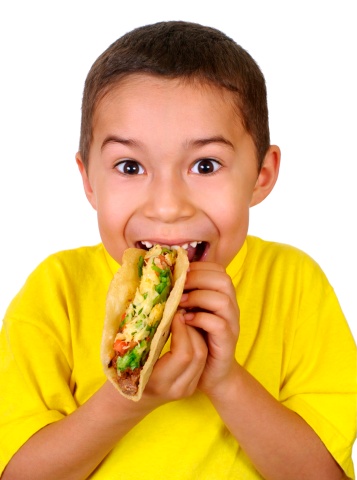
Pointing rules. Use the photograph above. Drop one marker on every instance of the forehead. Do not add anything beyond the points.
(160, 98)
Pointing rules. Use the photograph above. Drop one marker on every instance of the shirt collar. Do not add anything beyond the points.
(234, 269)
(113, 265)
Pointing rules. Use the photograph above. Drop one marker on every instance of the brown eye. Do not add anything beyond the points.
(130, 167)
(206, 166)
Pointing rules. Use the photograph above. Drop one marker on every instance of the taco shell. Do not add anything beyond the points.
(121, 292)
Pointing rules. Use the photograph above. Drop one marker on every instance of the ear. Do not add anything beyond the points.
(86, 183)
(268, 175)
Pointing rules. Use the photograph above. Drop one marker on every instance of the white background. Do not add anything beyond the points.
(307, 51)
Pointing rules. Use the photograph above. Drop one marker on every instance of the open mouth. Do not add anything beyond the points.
(195, 250)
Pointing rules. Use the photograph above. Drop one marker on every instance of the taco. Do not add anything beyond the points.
(142, 300)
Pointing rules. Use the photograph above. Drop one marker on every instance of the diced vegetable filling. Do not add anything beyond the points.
(142, 317)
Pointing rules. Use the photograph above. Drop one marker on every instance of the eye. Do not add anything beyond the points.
(130, 167)
(205, 166)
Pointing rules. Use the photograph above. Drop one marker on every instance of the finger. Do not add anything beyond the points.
(177, 373)
(193, 359)
(210, 279)
(216, 267)
(220, 335)
(187, 345)
(215, 302)
(212, 301)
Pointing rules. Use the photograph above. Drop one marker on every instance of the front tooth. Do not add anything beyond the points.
(185, 246)
(147, 244)
(193, 244)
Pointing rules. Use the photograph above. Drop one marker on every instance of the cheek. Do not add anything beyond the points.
(110, 214)
(232, 221)
(111, 224)
(231, 206)
(233, 229)
(231, 214)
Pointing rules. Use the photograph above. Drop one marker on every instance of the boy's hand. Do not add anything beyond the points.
(177, 373)
(212, 298)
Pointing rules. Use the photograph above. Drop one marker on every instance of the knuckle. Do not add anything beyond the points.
(222, 327)
(225, 302)
(226, 282)
(179, 391)
(185, 359)
(221, 268)
(201, 357)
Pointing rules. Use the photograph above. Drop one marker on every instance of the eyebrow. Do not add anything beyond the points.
(124, 141)
(199, 142)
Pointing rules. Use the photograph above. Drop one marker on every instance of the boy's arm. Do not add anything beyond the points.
(280, 444)
(278, 441)
(73, 447)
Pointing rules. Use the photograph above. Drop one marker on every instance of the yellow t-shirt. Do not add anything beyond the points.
(294, 340)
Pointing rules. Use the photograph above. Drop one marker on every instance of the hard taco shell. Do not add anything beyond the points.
(121, 292)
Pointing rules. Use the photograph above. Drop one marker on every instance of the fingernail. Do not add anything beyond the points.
(181, 313)
(189, 316)
(184, 297)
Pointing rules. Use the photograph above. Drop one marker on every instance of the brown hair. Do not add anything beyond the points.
(178, 49)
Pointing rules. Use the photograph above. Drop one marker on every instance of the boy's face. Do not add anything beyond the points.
(171, 163)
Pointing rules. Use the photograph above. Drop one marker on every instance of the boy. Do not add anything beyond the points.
(259, 378)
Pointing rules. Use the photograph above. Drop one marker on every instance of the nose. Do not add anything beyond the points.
(169, 200)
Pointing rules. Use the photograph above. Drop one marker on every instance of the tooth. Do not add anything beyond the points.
(174, 247)
(147, 244)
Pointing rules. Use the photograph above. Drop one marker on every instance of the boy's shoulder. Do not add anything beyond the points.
(79, 273)
(78, 254)
(268, 249)
(74, 260)
(71, 266)
(281, 259)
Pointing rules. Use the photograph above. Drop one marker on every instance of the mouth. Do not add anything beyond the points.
(196, 250)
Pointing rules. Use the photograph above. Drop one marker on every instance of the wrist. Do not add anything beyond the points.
(227, 387)
(110, 405)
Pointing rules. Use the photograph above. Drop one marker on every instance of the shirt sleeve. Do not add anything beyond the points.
(35, 365)
(320, 383)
